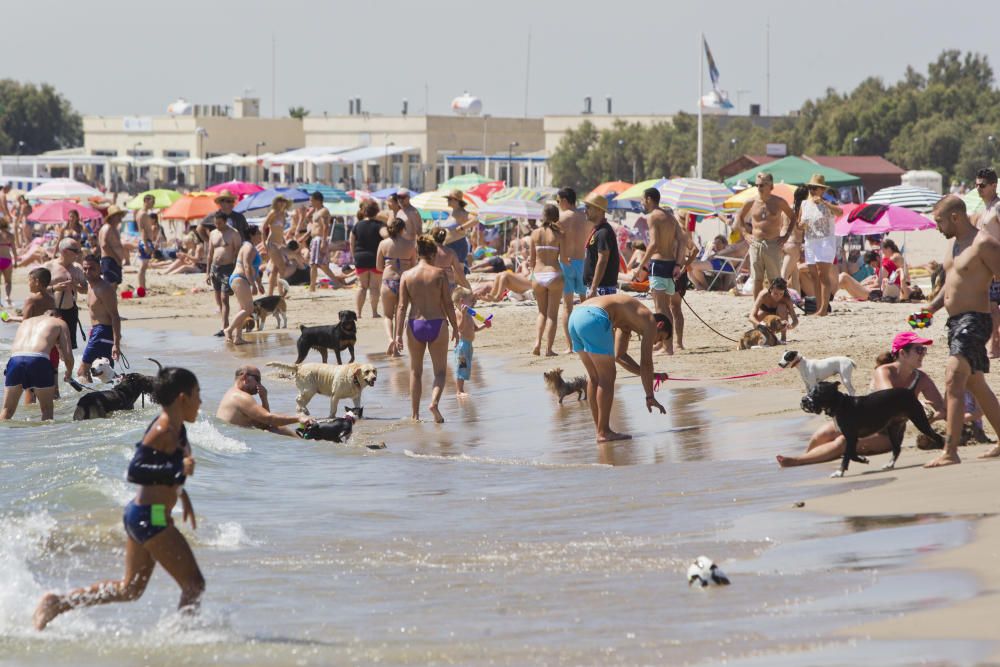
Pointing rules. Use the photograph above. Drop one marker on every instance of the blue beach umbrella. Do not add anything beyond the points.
(264, 198)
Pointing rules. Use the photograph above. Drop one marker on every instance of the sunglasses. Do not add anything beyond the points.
(918, 349)
(980, 186)
(75, 251)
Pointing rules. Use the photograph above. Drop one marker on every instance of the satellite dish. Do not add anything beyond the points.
(179, 108)
(467, 105)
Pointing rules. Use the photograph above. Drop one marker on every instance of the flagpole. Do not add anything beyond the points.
(701, 92)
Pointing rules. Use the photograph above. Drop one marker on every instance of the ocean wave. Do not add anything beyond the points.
(489, 460)
(22, 540)
(227, 536)
(204, 434)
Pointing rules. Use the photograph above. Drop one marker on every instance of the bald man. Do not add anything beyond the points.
(238, 407)
(973, 260)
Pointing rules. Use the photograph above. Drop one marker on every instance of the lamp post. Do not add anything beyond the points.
(20, 147)
(510, 162)
(385, 164)
(202, 134)
(855, 145)
(621, 153)
(256, 159)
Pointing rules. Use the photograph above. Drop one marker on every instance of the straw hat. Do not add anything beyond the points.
(456, 195)
(818, 181)
(112, 212)
(277, 198)
(597, 201)
(225, 194)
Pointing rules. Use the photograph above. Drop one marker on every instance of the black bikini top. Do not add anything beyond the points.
(151, 467)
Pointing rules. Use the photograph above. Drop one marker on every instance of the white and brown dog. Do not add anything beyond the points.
(814, 371)
(337, 382)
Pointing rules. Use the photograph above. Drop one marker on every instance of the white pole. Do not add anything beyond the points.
(701, 92)
(768, 66)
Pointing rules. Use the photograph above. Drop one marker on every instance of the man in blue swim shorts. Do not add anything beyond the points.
(29, 366)
(600, 330)
(664, 258)
(572, 250)
(110, 242)
(105, 337)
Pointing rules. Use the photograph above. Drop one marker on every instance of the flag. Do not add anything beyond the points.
(718, 98)
(713, 71)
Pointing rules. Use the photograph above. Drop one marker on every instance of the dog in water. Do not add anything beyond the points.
(270, 305)
(337, 382)
(337, 337)
(127, 389)
(561, 388)
(704, 572)
(814, 371)
(764, 334)
(337, 429)
(860, 416)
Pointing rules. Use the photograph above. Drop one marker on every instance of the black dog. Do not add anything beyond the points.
(861, 416)
(100, 404)
(336, 430)
(336, 337)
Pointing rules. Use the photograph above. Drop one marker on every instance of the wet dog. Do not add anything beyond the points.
(337, 337)
(270, 305)
(561, 388)
(764, 334)
(815, 371)
(101, 369)
(337, 382)
(860, 416)
(335, 430)
(127, 390)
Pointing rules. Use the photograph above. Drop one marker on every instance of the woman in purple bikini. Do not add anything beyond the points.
(396, 254)
(424, 303)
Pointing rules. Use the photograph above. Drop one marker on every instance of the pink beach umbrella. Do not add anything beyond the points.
(879, 219)
(239, 188)
(57, 212)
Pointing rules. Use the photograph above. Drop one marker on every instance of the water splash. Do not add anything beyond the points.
(204, 434)
(22, 540)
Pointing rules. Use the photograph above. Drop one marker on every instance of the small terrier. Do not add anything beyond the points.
(764, 334)
(561, 388)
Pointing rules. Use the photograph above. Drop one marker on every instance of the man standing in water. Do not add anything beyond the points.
(969, 267)
(572, 251)
(223, 245)
(765, 212)
(109, 240)
(238, 407)
(148, 232)
(409, 214)
(105, 338)
(665, 256)
(29, 367)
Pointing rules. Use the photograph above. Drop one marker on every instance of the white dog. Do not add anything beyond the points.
(704, 572)
(337, 382)
(102, 370)
(815, 371)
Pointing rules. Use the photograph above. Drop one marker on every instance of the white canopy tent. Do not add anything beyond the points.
(362, 154)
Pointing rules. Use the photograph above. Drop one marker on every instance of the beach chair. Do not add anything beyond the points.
(732, 266)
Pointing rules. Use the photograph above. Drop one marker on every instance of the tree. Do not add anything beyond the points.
(38, 116)
(298, 112)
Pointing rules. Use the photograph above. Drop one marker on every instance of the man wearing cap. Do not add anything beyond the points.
(223, 245)
(818, 218)
(409, 214)
(969, 267)
(761, 216)
(226, 200)
(600, 272)
(572, 253)
(148, 232)
(109, 240)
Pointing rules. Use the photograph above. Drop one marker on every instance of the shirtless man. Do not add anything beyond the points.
(414, 225)
(148, 232)
(664, 258)
(109, 240)
(764, 213)
(319, 245)
(105, 338)
(29, 367)
(37, 303)
(223, 245)
(969, 267)
(572, 252)
(989, 221)
(238, 407)
(600, 329)
(67, 281)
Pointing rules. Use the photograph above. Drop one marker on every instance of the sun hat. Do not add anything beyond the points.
(905, 338)
(403, 192)
(224, 194)
(597, 201)
(818, 181)
(283, 198)
(113, 211)
(456, 195)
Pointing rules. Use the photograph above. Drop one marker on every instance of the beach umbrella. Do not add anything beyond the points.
(358, 195)
(464, 182)
(611, 187)
(515, 208)
(156, 162)
(57, 212)
(528, 194)
(697, 195)
(783, 190)
(264, 198)
(879, 219)
(635, 192)
(434, 200)
(907, 196)
(343, 208)
(330, 193)
(239, 188)
(164, 198)
(191, 162)
(973, 202)
(64, 188)
(384, 193)
(194, 206)
(483, 191)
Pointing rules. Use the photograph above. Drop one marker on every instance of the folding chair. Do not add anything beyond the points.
(735, 266)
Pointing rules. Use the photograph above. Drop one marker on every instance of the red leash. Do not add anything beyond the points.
(659, 378)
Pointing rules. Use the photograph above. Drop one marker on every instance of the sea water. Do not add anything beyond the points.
(505, 536)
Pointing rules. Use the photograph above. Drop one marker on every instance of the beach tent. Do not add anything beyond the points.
(330, 193)
(796, 171)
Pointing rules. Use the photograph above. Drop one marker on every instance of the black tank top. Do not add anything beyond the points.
(366, 239)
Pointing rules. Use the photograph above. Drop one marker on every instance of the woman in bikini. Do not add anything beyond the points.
(366, 237)
(8, 258)
(73, 229)
(899, 368)
(243, 282)
(895, 275)
(796, 237)
(447, 260)
(161, 464)
(461, 227)
(546, 277)
(396, 254)
(424, 303)
(774, 300)
(274, 239)
(21, 224)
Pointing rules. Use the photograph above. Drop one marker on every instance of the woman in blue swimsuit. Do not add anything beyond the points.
(424, 303)
(160, 465)
(243, 283)
(396, 254)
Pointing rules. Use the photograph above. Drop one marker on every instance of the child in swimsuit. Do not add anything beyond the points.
(8, 258)
(464, 299)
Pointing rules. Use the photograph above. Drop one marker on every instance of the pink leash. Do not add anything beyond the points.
(659, 378)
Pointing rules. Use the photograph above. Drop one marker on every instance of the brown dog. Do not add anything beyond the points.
(765, 334)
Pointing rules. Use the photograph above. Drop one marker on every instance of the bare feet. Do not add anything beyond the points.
(536, 350)
(568, 350)
(786, 461)
(240, 341)
(461, 394)
(945, 459)
(550, 353)
(47, 609)
(376, 315)
(993, 453)
(611, 435)
(438, 419)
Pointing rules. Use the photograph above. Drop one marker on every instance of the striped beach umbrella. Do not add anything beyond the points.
(973, 202)
(697, 195)
(783, 190)
(526, 194)
(635, 192)
(907, 196)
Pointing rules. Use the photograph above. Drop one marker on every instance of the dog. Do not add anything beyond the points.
(337, 337)
(814, 371)
(102, 370)
(764, 334)
(337, 382)
(704, 572)
(270, 305)
(861, 416)
(335, 430)
(561, 388)
(122, 396)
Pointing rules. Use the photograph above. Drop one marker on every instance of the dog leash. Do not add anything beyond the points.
(124, 360)
(659, 378)
(711, 328)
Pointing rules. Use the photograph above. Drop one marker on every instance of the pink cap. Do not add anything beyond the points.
(908, 338)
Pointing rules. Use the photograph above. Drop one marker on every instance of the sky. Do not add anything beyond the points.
(117, 57)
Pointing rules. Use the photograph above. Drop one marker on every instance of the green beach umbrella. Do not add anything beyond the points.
(164, 198)
(464, 182)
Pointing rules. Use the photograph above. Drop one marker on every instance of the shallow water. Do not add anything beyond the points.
(505, 536)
